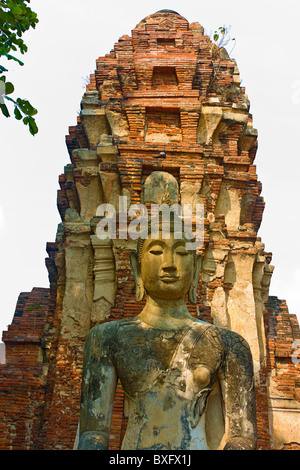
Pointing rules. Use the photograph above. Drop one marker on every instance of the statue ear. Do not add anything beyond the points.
(139, 285)
(193, 289)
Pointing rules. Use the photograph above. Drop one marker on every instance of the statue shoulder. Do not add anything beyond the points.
(227, 339)
(233, 343)
(107, 333)
(100, 337)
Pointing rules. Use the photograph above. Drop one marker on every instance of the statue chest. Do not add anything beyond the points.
(146, 360)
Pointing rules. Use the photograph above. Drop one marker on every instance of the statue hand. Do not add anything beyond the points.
(239, 443)
(93, 440)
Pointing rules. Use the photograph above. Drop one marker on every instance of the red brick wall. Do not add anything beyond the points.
(283, 364)
(22, 384)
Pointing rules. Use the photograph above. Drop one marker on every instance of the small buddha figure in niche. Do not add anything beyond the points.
(188, 384)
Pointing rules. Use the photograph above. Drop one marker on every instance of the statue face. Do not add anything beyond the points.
(167, 268)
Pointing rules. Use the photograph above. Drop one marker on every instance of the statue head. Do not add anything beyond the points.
(163, 267)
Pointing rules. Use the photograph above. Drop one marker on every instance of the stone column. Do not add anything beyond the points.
(79, 282)
(258, 274)
(104, 279)
(240, 302)
(218, 301)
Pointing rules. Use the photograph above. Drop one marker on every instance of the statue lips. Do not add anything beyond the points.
(169, 279)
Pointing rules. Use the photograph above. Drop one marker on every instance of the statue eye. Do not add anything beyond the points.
(156, 252)
(181, 252)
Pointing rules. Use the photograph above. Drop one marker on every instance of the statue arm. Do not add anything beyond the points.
(237, 382)
(98, 390)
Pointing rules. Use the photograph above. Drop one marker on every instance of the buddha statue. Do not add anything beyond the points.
(181, 376)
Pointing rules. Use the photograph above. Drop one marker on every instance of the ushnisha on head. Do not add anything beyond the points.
(163, 267)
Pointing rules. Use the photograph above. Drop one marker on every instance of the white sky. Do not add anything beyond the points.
(63, 49)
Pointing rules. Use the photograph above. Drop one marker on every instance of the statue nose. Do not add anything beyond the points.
(168, 262)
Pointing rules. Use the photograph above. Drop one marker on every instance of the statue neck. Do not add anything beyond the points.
(166, 314)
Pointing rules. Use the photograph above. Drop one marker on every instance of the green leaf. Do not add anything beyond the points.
(4, 110)
(3, 69)
(26, 107)
(18, 115)
(216, 37)
(9, 88)
(33, 129)
(17, 10)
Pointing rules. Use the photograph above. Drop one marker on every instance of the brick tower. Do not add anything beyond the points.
(166, 89)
